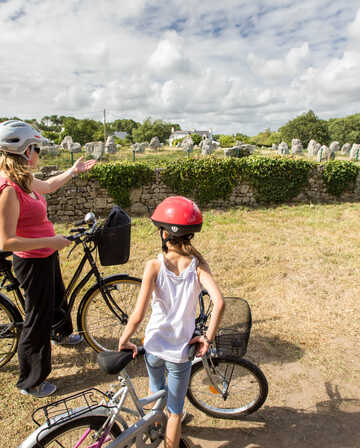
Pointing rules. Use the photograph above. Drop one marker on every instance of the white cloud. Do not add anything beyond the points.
(169, 56)
(276, 69)
(231, 66)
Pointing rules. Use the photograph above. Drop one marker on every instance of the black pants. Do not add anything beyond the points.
(44, 297)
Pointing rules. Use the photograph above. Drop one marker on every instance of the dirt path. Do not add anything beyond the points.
(333, 423)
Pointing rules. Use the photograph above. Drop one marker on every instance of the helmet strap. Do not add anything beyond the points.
(31, 152)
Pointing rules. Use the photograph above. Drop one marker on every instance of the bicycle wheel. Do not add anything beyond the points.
(99, 323)
(9, 332)
(76, 433)
(243, 383)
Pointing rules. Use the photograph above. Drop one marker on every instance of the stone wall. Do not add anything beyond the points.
(79, 197)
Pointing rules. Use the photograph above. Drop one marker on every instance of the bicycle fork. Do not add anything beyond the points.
(225, 378)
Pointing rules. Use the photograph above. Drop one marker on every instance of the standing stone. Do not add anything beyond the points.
(296, 146)
(317, 148)
(247, 147)
(334, 146)
(154, 143)
(355, 152)
(74, 147)
(98, 150)
(139, 147)
(283, 148)
(187, 144)
(49, 148)
(345, 149)
(230, 152)
(207, 146)
(110, 146)
(311, 147)
(322, 153)
(67, 141)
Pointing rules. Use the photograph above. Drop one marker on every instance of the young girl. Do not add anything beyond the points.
(174, 280)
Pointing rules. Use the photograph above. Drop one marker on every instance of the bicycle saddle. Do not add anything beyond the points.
(112, 362)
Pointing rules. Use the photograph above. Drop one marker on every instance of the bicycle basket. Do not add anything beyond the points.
(114, 238)
(233, 340)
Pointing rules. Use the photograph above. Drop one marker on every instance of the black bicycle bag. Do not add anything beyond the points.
(114, 238)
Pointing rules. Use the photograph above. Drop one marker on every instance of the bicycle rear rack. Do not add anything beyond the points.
(70, 407)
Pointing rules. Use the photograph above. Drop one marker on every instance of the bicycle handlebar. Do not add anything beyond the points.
(81, 231)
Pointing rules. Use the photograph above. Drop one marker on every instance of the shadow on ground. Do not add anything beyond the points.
(332, 424)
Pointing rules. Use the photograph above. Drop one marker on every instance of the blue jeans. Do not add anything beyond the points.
(178, 376)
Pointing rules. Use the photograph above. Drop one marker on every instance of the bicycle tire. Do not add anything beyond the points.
(9, 332)
(67, 434)
(248, 388)
(99, 325)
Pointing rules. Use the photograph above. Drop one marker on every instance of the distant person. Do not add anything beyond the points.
(26, 230)
(174, 280)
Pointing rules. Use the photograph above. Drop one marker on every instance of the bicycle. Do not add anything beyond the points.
(103, 306)
(222, 373)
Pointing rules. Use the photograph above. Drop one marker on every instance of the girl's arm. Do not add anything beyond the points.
(208, 282)
(54, 183)
(147, 287)
(9, 215)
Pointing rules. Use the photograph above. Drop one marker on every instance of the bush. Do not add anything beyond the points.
(205, 179)
(274, 179)
(119, 178)
(339, 176)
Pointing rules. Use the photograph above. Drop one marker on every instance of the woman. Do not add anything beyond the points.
(26, 230)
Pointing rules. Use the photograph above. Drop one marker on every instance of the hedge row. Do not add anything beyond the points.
(275, 180)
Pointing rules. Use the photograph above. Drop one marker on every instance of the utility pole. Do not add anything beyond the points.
(104, 126)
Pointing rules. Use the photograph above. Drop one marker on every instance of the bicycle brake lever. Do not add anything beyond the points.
(76, 240)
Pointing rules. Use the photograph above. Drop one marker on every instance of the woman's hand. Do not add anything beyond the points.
(81, 167)
(128, 346)
(202, 346)
(58, 242)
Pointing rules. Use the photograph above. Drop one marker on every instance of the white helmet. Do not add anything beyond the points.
(16, 136)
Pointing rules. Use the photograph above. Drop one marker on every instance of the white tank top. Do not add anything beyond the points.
(172, 320)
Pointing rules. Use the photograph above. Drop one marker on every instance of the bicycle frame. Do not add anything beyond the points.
(10, 283)
(111, 408)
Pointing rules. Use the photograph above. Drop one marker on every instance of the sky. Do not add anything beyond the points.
(230, 66)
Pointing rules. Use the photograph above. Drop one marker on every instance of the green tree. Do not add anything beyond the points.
(242, 137)
(306, 127)
(150, 129)
(82, 131)
(263, 138)
(226, 141)
(125, 125)
(345, 130)
(196, 138)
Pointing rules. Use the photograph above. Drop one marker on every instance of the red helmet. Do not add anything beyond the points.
(178, 216)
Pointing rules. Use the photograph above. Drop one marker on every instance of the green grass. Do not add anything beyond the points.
(297, 266)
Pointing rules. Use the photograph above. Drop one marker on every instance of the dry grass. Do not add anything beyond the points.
(299, 268)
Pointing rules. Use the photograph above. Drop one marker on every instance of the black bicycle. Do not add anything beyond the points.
(103, 306)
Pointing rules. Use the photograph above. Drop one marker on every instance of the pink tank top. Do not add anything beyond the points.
(33, 221)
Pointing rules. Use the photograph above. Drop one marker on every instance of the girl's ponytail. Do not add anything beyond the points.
(183, 246)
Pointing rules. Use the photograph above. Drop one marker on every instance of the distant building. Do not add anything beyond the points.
(175, 135)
